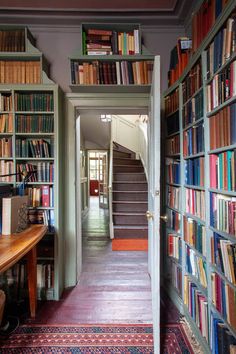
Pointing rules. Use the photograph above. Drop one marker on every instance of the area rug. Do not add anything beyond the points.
(94, 339)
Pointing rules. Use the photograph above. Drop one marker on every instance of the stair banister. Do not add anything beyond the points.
(110, 191)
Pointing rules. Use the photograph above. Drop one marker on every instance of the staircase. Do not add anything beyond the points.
(130, 202)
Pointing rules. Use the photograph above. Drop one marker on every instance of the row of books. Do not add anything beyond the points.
(41, 196)
(222, 47)
(12, 40)
(223, 127)
(107, 42)
(196, 266)
(179, 58)
(172, 102)
(174, 246)
(5, 102)
(20, 72)
(223, 213)
(173, 220)
(195, 202)
(6, 147)
(45, 217)
(194, 171)
(112, 72)
(204, 19)
(222, 341)
(224, 298)
(223, 255)
(37, 101)
(173, 197)
(173, 145)
(193, 140)
(34, 123)
(195, 234)
(172, 123)
(173, 170)
(38, 172)
(6, 168)
(176, 277)
(222, 87)
(193, 109)
(193, 82)
(223, 170)
(45, 281)
(197, 306)
(6, 123)
(36, 148)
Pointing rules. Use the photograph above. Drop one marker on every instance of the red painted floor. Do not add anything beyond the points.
(114, 286)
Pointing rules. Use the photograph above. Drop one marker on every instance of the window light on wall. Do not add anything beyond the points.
(106, 118)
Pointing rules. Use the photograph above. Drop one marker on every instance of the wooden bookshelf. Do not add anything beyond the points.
(29, 142)
(206, 183)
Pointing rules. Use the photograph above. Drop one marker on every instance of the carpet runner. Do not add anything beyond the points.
(95, 339)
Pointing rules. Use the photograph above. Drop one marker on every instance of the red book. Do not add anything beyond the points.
(45, 196)
(213, 169)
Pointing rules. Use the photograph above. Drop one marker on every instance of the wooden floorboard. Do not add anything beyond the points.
(114, 287)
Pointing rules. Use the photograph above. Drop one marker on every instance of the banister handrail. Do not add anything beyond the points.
(110, 190)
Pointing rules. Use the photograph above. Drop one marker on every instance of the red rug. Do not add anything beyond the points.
(94, 339)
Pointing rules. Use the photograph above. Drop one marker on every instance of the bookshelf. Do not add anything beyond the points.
(111, 58)
(30, 112)
(200, 153)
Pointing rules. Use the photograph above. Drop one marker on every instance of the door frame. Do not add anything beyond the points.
(129, 103)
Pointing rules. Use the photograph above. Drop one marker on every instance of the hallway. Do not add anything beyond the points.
(114, 287)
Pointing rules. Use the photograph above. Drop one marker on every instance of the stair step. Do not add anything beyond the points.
(130, 195)
(130, 185)
(129, 218)
(136, 206)
(126, 161)
(123, 176)
(130, 232)
(127, 168)
(121, 154)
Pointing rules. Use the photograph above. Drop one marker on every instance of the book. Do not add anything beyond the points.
(11, 213)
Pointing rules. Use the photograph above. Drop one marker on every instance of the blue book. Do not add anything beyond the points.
(233, 123)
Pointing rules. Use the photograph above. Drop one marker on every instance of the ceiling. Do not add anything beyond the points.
(71, 12)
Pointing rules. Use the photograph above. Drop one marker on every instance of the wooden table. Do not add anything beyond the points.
(14, 247)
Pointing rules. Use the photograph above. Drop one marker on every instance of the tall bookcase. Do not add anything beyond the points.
(200, 237)
(111, 58)
(30, 140)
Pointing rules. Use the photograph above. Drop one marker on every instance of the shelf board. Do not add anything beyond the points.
(193, 123)
(221, 274)
(115, 57)
(21, 56)
(35, 183)
(172, 113)
(111, 88)
(195, 94)
(34, 158)
(221, 106)
(195, 250)
(223, 191)
(35, 134)
(173, 184)
(194, 217)
(227, 62)
(194, 187)
(197, 283)
(230, 237)
(34, 112)
(223, 319)
(173, 134)
(6, 158)
(174, 209)
(169, 230)
(199, 154)
(222, 149)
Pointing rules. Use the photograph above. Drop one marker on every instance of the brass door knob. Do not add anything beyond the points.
(164, 218)
(149, 215)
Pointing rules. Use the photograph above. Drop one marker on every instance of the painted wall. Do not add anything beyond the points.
(58, 43)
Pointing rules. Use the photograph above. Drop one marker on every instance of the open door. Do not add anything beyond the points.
(102, 183)
(153, 213)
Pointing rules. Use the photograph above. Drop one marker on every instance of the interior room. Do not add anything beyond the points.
(117, 176)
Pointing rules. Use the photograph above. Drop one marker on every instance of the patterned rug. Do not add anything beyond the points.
(94, 339)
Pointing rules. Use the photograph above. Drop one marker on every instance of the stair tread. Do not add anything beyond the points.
(114, 191)
(126, 159)
(128, 213)
(127, 173)
(130, 182)
(132, 227)
(130, 201)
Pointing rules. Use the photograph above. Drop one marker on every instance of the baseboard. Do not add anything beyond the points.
(129, 245)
